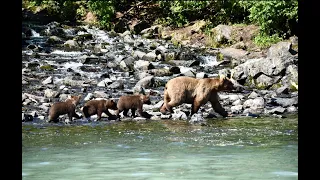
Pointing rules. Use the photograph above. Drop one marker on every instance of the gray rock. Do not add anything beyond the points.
(254, 103)
(284, 102)
(26, 102)
(292, 74)
(292, 109)
(237, 102)
(105, 82)
(277, 110)
(222, 33)
(236, 109)
(165, 116)
(234, 53)
(100, 94)
(189, 73)
(197, 118)
(63, 97)
(158, 105)
(70, 82)
(161, 49)
(201, 75)
(146, 82)
(71, 44)
(253, 95)
(279, 49)
(264, 81)
(141, 75)
(150, 56)
(179, 115)
(49, 80)
(274, 65)
(24, 97)
(127, 64)
(49, 93)
(255, 111)
(142, 65)
(88, 97)
(93, 59)
(138, 54)
(128, 39)
(54, 40)
(283, 90)
(127, 32)
(160, 72)
(186, 63)
(116, 85)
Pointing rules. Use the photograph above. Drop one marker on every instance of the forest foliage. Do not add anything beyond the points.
(276, 18)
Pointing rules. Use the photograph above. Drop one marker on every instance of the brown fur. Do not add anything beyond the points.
(194, 91)
(98, 107)
(67, 107)
(133, 102)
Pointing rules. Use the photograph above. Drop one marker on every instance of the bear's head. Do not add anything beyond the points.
(145, 99)
(226, 84)
(110, 104)
(74, 99)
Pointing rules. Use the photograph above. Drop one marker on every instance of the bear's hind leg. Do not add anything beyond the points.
(172, 104)
(195, 107)
(125, 112)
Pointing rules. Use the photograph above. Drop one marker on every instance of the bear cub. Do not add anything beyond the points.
(133, 102)
(67, 107)
(98, 107)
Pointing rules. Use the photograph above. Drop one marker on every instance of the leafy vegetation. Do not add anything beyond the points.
(277, 19)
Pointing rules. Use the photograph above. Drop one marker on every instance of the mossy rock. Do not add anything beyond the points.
(294, 86)
(219, 56)
(83, 37)
(47, 67)
(276, 86)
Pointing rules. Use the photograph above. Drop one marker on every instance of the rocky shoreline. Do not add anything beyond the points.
(59, 60)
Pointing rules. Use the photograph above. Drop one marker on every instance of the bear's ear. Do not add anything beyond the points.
(222, 77)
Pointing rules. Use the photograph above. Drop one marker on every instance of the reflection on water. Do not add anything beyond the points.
(230, 149)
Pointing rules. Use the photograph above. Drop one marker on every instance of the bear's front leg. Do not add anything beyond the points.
(125, 112)
(195, 107)
(133, 112)
(219, 109)
(74, 114)
(108, 113)
(99, 113)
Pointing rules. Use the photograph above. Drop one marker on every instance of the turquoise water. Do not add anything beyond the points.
(262, 148)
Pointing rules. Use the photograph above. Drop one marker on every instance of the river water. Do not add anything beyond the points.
(238, 148)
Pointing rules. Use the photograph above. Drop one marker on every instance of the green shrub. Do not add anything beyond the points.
(265, 41)
(104, 10)
(274, 17)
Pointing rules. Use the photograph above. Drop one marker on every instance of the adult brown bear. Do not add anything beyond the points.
(195, 91)
(67, 107)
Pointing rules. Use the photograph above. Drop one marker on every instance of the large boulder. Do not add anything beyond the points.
(281, 60)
